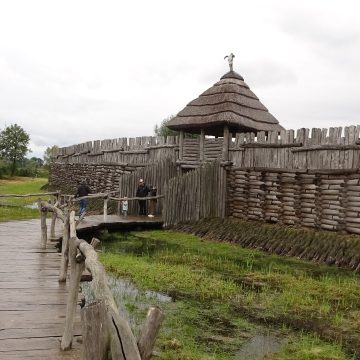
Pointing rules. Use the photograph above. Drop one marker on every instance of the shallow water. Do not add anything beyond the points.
(132, 302)
(259, 346)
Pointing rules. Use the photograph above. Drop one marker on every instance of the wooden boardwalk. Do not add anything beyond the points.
(32, 302)
(114, 222)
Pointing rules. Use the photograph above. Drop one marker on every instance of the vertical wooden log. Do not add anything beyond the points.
(149, 332)
(53, 221)
(43, 214)
(94, 331)
(95, 242)
(106, 199)
(65, 247)
(202, 141)
(76, 269)
(181, 145)
(226, 144)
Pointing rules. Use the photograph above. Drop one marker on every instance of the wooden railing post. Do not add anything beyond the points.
(106, 199)
(149, 332)
(75, 276)
(65, 247)
(43, 213)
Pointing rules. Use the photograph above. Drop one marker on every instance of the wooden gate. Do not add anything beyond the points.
(197, 194)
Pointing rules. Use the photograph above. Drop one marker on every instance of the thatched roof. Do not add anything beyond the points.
(230, 101)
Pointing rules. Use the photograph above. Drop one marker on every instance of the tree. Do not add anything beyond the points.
(14, 145)
(49, 153)
(163, 130)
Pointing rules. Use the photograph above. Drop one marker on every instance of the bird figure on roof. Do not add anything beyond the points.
(230, 60)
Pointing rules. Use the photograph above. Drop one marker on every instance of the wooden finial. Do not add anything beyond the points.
(230, 60)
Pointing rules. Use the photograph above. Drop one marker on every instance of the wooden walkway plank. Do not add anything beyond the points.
(32, 302)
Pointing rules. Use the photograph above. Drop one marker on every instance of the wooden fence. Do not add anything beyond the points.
(324, 199)
(104, 330)
(333, 148)
(156, 175)
(200, 193)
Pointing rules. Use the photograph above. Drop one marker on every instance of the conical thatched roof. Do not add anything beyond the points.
(230, 101)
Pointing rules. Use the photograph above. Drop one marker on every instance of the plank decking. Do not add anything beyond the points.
(32, 302)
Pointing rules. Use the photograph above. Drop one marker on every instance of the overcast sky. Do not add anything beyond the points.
(74, 71)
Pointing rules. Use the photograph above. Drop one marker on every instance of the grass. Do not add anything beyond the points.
(14, 208)
(225, 294)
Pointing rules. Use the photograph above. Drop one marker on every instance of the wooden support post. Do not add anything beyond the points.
(94, 331)
(226, 143)
(75, 276)
(149, 332)
(181, 144)
(65, 247)
(95, 242)
(202, 141)
(106, 199)
(123, 342)
(43, 213)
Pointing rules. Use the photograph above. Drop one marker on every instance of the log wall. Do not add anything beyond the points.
(156, 175)
(328, 200)
(333, 148)
(198, 194)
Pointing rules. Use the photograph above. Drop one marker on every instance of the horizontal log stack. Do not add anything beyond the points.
(308, 210)
(239, 190)
(272, 205)
(352, 208)
(289, 198)
(256, 196)
(331, 202)
(328, 201)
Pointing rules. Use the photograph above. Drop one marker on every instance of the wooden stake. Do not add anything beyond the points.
(149, 332)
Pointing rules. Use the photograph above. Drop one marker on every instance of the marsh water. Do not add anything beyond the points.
(133, 302)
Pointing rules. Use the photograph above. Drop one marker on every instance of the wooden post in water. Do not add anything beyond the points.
(149, 332)
(75, 276)
(65, 247)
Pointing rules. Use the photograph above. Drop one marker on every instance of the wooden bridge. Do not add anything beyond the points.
(32, 301)
(39, 316)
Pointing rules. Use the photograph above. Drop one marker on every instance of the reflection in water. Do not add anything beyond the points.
(259, 346)
(132, 302)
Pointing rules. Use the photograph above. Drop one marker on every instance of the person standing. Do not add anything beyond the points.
(153, 192)
(82, 190)
(142, 191)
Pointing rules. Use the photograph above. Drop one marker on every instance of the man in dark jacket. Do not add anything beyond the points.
(142, 191)
(83, 190)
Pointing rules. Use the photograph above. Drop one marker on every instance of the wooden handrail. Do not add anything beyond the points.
(123, 344)
(33, 194)
(137, 198)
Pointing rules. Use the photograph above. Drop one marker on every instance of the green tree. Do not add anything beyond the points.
(14, 145)
(163, 130)
(49, 153)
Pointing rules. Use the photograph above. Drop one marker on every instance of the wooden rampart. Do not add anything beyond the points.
(156, 175)
(333, 148)
(195, 195)
(324, 199)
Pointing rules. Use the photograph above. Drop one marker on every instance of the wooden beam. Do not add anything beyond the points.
(226, 144)
(202, 141)
(181, 144)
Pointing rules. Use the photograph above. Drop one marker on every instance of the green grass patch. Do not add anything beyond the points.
(226, 294)
(18, 208)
